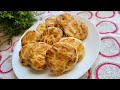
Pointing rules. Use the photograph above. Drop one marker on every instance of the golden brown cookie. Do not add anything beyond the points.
(24, 54)
(51, 35)
(29, 37)
(41, 27)
(76, 29)
(63, 19)
(77, 44)
(50, 22)
(61, 57)
(37, 55)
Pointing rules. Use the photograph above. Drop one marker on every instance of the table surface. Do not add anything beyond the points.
(107, 65)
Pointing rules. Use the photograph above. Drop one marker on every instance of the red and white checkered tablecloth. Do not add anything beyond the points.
(107, 65)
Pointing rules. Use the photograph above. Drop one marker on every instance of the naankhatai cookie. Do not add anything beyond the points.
(77, 44)
(76, 29)
(61, 58)
(63, 19)
(29, 37)
(37, 55)
(51, 35)
(41, 27)
(24, 54)
(51, 21)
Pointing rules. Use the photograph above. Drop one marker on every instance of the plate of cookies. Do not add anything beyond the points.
(62, 46)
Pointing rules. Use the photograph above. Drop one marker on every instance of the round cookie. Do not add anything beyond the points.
(50, 22)
(37, 55)
(41, 27)
(24, 54)
(63, 19)
(29, 37)
(76, 29)
(77, 44)
(51, 35)
(61, 57)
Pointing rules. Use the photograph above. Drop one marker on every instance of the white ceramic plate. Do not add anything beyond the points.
(92, 45)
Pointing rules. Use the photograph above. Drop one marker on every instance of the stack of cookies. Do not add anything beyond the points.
(56, 44)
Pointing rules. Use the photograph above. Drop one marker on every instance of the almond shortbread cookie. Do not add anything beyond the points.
(78, 44)
(37, 55)
(51, 35)
(30, 37)
(76, 29)
(61, 57)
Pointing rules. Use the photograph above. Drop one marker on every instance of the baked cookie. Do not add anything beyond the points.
(37, 55)
(50, 22)
(77, 44)
(29, 37)
(63, 19)
(24, 54)
(41, 27)
(51, 35)
(76, 29)
(61, 58)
